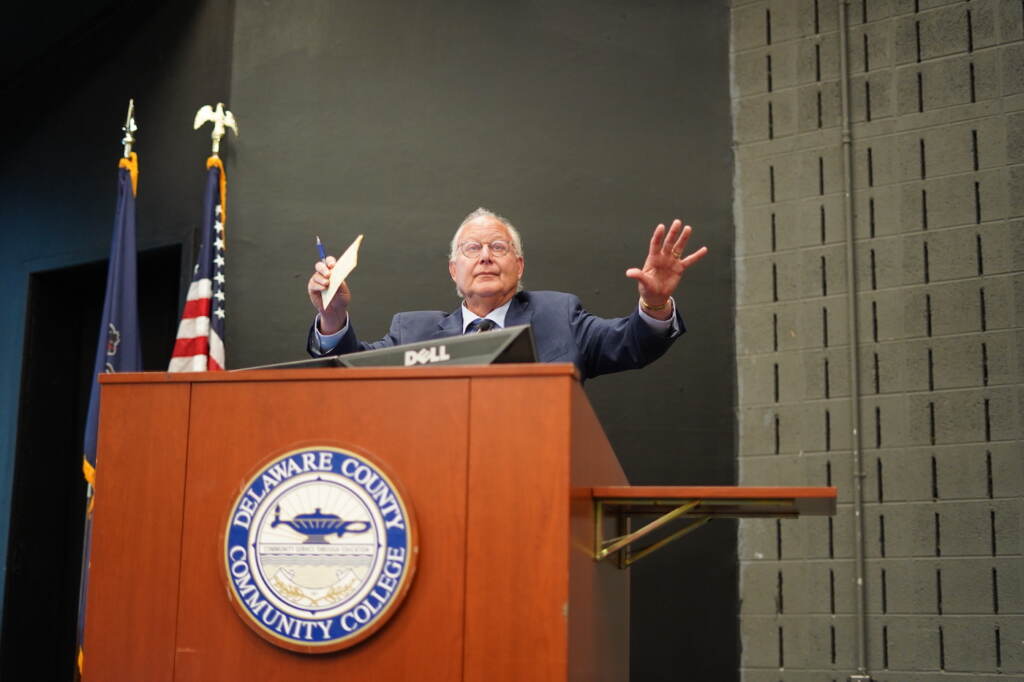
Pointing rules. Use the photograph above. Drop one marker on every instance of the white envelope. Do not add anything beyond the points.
(342, 269)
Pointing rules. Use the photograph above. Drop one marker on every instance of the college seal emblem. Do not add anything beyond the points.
(319, 550)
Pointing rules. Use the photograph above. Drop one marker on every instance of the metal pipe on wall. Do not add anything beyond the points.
(862, 674)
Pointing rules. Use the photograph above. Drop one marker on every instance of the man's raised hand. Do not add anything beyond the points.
(335, 316)
(664, 267)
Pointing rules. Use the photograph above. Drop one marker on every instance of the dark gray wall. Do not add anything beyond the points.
(584, 123)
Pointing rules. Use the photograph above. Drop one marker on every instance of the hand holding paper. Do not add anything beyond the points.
(327, 290)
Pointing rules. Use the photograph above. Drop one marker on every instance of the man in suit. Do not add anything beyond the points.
(486, 263)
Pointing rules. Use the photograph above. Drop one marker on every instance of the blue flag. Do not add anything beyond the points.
(118, 348)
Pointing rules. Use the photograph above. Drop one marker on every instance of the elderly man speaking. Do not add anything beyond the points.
(486, 263)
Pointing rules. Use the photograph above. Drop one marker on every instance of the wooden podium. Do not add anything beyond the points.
(499, 464)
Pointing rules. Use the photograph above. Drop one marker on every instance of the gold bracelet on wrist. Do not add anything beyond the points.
(647, 306)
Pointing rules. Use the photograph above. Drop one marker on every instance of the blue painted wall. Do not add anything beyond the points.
(58, 170)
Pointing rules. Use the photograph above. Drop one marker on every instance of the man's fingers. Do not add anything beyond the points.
(657, 239)
(695, 256)
(319, 282)
(684, 236)
(324, 266)
(672, 237)
(340, 300)
(321, 278)
(640, 276)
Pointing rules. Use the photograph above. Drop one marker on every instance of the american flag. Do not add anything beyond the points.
(200, 343)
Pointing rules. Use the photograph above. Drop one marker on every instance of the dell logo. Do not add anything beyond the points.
(425, 356)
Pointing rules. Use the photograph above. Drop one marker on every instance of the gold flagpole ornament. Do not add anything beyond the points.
(220, 119)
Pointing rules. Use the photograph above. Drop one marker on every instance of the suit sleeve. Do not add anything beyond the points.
(616, 344)
(350, 343)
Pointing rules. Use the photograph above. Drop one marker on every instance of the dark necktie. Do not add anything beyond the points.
(480, 325)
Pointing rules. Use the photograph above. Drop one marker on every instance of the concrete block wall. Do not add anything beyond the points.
(937, 103)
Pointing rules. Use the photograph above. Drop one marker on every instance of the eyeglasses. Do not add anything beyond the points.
(474, 249)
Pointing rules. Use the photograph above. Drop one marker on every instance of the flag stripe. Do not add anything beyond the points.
(200, 288)
(197, 308)
(216, 351)
(190, 363)
(197, 345)
(191, 328)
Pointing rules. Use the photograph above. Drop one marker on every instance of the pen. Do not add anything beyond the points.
(320, 250)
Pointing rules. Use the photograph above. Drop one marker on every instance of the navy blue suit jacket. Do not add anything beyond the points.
(563, 332)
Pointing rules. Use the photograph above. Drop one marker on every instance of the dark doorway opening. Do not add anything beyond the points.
(48, 493)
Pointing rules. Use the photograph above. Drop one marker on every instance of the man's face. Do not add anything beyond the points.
(486, 277)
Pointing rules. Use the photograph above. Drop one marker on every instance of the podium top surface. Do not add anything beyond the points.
(731, 501)
(532, 369)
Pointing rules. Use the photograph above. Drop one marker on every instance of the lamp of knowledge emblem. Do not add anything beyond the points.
(319, 550)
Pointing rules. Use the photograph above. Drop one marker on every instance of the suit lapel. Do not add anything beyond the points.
(451, 324)
(519, 312)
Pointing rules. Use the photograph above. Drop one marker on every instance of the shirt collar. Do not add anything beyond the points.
(498, 315)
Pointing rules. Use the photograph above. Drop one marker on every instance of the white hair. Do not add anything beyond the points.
(513, 233)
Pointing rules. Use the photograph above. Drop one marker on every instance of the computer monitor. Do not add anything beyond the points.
(512, 344)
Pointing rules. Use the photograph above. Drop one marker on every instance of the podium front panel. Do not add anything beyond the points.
(140, 490)
(518, 531)
(395, 429)
(490, 461)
